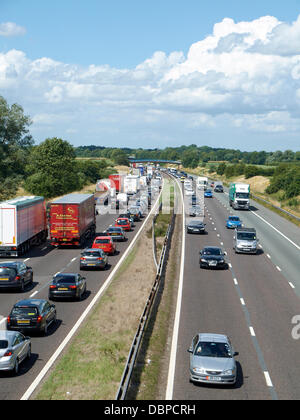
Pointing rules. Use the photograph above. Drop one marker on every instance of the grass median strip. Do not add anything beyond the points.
(92, 365)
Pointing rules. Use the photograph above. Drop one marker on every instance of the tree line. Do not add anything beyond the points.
(192, 156)
(49, 169)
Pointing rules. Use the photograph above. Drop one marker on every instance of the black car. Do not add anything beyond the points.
(195, 226)
(67, 285)
(212, 257)
(15, 274)
(219, 188)
(31, 314)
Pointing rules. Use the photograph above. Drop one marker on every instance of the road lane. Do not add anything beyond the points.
(45, 263)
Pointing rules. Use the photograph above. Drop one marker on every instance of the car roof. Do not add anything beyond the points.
(7, 335)
(9, 263)
(30, 302)
(196, 222)
(218, 338)
(93, 249)
(243, 229)
(103, 237)
(212, 247)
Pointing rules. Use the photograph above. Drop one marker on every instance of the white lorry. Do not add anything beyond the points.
(23, 223)
(131, 184)
(202, 182)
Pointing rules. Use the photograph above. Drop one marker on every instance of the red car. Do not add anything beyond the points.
(124, 223)
(106, 244)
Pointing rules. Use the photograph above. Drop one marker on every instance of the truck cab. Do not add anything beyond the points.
(239, 196)
(245, 240)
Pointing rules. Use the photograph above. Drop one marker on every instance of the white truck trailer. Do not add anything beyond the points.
(202, 182)
(131, 184)
(23, 223)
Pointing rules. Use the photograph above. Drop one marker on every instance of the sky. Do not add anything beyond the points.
(155, 74)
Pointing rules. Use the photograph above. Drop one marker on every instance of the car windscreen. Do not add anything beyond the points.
(65, 279)
(211, 251)
(246, 236)
(102, 241)
(122, 222)
(28, 311)
(114, 230)
(7, 272)
(233, 219)
(242, 195)
(212, 349)
(3, 344)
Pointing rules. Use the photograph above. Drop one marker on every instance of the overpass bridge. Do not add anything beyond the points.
(155, 161)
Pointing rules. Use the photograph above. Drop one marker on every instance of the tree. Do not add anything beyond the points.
(53, 170)
(120, 157)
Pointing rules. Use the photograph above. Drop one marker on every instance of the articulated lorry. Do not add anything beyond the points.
(23, 223)
(72, 219)
(131, 184)
(239, 196)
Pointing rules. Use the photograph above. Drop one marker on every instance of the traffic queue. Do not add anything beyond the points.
(70, 221)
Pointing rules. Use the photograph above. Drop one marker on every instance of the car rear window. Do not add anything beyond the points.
(92, 254)
(3, 344)
(65, 279)
(122, 222)
(7, 271)
(27, 311)
(102, 241)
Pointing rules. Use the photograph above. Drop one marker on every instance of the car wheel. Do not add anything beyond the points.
(16, 367)
(29, 352)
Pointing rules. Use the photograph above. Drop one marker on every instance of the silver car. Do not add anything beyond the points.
(14, 348)
(212, 359)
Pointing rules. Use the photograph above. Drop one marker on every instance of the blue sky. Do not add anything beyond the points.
(155, 73)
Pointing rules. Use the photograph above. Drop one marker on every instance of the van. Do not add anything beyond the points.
(245, 240)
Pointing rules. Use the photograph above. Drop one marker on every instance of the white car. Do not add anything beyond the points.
(14, 348)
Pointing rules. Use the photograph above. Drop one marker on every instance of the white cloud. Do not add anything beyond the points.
(244, 76)
(10, 29)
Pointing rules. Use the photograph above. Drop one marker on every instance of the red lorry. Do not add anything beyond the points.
(117, 182)
(72, 219)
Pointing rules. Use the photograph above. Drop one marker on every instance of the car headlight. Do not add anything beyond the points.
(222, 261)
(199, 370)
(202, 260)
(228, 372)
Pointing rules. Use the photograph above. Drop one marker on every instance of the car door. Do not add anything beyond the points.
(23, 346)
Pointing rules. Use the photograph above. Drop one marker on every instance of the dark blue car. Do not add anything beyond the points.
(233, 222)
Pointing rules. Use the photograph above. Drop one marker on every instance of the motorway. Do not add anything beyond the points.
(47, 261)
(253, 301)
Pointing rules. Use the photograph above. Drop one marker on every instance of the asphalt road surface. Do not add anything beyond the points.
(253, 301)
(47, 261)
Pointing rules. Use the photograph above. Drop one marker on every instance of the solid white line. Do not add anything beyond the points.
(172, 363)
(268, 379)
(3, 320)
(278, 231)
(55, 355)
(252, 331)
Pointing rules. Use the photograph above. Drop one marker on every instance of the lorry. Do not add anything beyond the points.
(131, 184)
(23, 223)
(239, 195)
(117, 182)
(72, 219)
(245, 240)
(123, 199)
(202, 183)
